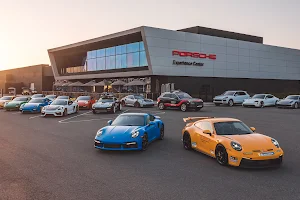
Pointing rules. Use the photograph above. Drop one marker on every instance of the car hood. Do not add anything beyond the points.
(252, 100)
(102, 104)
(27, 105)
(253, 141)
(3, 101)
(53, 107)
(11, 103)
(117, 133)
(286, 101)
(222, 96)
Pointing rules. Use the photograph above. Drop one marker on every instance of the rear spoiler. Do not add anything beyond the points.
(192, 119)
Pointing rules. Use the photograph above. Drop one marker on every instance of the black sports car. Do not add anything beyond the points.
(107, 104)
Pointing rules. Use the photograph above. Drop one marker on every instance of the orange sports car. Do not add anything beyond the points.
(231, 142)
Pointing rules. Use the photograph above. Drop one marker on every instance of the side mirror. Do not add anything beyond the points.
(109, 122)
(207, 132)
(151, 123)
(253, 129)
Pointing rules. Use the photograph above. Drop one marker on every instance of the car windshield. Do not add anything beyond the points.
(84, 98)
(51, 96)
(36, 101)
(63, 97)
(59, 102)
(138, 97)
(37, 95)
(292, 97)
(183, 95)
(259, 96)
(232, 128)
(104, 100)
(6, 98)
(129, 120)
(20, 99)
(229, 93)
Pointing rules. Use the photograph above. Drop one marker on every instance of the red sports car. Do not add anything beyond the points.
(85, 102)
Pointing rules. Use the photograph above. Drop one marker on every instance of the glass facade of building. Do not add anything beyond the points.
(117, 57)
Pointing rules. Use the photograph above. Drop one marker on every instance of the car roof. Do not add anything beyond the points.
(137, 114)
(220, 119)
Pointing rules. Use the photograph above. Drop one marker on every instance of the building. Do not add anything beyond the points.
(38, 76)
(201, 61)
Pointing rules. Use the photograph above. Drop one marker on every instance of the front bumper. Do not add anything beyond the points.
(147, 104)
(102, 109)
(251, 104)
(284, 105)
(84, 106)
(220, 101)
(12, 108)
(118, 146)
(56, 113)
(194, 105)
(254, 160)
(36, 110)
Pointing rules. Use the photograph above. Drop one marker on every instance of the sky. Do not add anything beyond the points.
(30, 27)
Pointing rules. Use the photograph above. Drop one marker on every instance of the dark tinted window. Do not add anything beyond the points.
(21, 99)
(258, 96)
(173, 96)
(232, 128)
(129, 120)
(59, 102)
(36, 101)
(63, 97)
(167, 95)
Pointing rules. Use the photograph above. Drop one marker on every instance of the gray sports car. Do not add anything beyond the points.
(291, 101)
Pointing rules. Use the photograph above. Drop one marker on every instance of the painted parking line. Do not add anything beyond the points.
(63, 120)
(15, 113)
(84, 120)
(35, 116)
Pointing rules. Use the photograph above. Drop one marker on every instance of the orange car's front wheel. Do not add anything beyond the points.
(186, 140)
(221, 155)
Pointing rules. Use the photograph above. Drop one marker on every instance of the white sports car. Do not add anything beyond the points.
(60, 107)
(261, 100)
(137, 101)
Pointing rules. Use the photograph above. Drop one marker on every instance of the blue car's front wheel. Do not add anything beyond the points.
(162, 133)
(145, 142)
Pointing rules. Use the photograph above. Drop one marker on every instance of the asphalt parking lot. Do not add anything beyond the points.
(54, 158)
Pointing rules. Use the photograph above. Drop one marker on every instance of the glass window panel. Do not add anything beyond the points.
(92, 54)
(142, 46)
(143, 59)
(112, 51)
(118, 61)
(91, 65)
(124, 60)
(123, 49)
(133, 59)
(118, 50)
(100, 53)
(101, 63)
(107, 52)
(133, 47)
(110, 62)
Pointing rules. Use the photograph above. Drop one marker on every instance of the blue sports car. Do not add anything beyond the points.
(35, 105)
(130, 131)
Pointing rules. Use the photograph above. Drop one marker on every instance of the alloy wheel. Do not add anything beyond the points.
(230, 102)
(296, 105)
(221, 155)
(162, 133)
(262, 104)
(145, 142)
(183, 107)
(186, 141)
(161, 106)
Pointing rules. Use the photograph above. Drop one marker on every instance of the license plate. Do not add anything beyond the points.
(266, 154)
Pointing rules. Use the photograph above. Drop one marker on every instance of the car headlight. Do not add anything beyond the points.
(99, 132)
(225, 97)
(135, 133)
(236, 146)
(110, 104)
(44, 108)
(17, 105)
(60, 108)
(291, 101)
(275, 142)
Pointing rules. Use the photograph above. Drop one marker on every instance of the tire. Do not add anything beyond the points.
(120, 107)
(65, 112)
(123, 103)
(186, 141)
(162, 133)
(183, 107)
(221, 155)
(94, 112)
(217, 104)
(296, 106)
(230, 103)
(276, 103)
(113, 111)
(262, 104)
(137, 104)
(145, 143)
(77, 109)
(161, 106)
